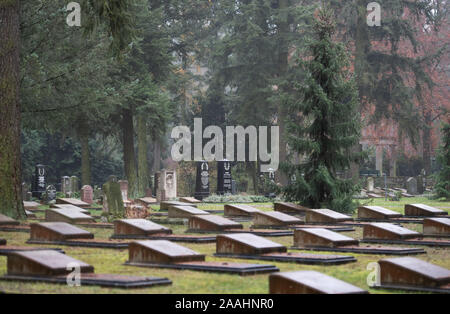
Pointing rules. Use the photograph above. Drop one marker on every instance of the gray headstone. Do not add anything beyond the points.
(370, 184)
(420, 185)
(411, 186)
(87, 194)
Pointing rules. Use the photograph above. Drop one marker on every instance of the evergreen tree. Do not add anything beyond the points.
(324, 125)
(442, 187)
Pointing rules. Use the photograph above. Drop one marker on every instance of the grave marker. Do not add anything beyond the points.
(309, 282)
(202, 180)
(52, 267)
(74, 184)
(422, 210)
(274, 219)
(436, 227)
(72, 201)
(138, 227)
(67, 215)
(66, 186)
(165, 254)
(146, 201)
(388, 231)
(413, 274)
(249, 246)
(31, 205)
(39, 183)
(164, 206)
(57, 231)
(70, 208)
(224, 178)
(87, 194)
(376, 212)
(5, 220)
(319, 239)
(325, 216)
(370, 184)
(411, 186)
(184, 211)
(199, 223)
(124, 189)
(232, 210)
(190, 200)
(112, 199)
(290, 208)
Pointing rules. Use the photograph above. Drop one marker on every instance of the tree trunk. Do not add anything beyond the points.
(85, 157)
(283, 30)
(142, 155)
(129, 156)
(10, 165)
(362, 46)
(426, 142)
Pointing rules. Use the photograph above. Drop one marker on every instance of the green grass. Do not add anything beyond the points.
(190, 282)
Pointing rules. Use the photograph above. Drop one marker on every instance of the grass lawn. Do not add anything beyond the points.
(190, 282)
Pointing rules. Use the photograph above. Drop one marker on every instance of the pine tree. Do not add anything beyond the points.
(442, 187)
(324, 124)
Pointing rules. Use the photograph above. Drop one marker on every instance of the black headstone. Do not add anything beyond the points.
(202, 183)
(224, 179)
(39, 181)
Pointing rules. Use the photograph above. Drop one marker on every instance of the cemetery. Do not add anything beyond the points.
(194, 147)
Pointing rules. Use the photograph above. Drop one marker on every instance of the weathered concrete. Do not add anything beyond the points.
(57, 231)
(376, 212)
(436, 227)
(232, 210)
(325, 216)
(309, 282)
(290, 208)
(185, 212)
(212, 223)
(69, 216)
(246, 244)
(422, 210)
(138, 227)
(321, 238)
(275, 219)
(72, 201)
(388, 231)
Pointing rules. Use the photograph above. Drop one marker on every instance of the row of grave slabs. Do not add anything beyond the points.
(238, 245)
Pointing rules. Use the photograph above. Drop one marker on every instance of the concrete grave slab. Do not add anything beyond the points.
(388, 231)
(290, 208)
(165, 254)
(274, 219)
(325, 216)
(326, 240)
(164, 205)
(184, 212)
(422, 210)
(376, 213)
(52, 267)
(146, 201)
(31, 205)
(140, 227)
(57, 231)
(69, 207)
(7, 221)
(249, 246)
(211, 223)
(6, 250)
(232, 210)
(309, 282)
(409, 273)
(67, 215)
(190, 200)
(436, 227)
(72, 201)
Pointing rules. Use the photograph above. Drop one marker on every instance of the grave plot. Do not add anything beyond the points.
(52, 267)
(184, 212)
(165, 254)
(274, 220)
(436, 227)
(413, 274)
(211, 223)
(72, 201)
(326, 240)
(373, 195)
(61, 233)
(7, 221)
(381, 214)
(164, 206)
(6, 250)
(32, 206)
(231, 210)
(336, 228)
(67, 215)
(290, 208)
(146, 201)
(219, 224)
(309, 282)
(249, 246)
(393, 234)
(421, 210)
(321, 216)
(190, 200)
(145, 229)
(70, 208)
